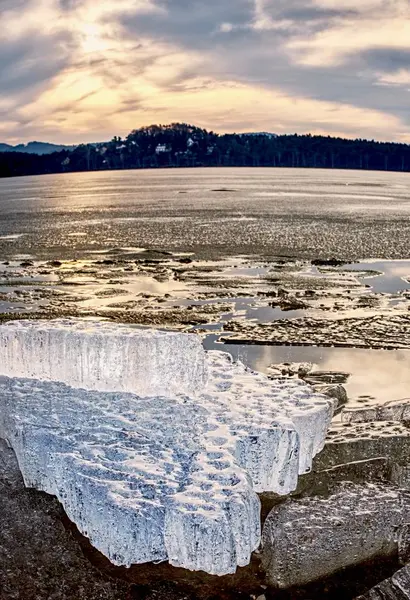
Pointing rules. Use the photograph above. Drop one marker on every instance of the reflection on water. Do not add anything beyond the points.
(382, 374)
(247, 308)
(97, 296)
(393, 275)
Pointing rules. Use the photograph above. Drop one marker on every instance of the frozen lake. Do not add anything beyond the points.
(309, 213)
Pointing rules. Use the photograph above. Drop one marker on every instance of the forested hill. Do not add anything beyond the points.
(181, 145)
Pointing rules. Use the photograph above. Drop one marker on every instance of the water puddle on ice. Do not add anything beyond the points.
(380, 374)
(393, 278)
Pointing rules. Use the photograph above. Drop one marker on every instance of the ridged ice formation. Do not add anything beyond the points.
(101, 356)
(156, 477)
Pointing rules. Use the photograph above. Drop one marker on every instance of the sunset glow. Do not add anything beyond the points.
(81, 70)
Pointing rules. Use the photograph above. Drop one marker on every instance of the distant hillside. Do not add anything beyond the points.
(35, 148)
(183, 145)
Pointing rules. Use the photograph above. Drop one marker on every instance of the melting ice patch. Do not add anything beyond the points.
(161, 476)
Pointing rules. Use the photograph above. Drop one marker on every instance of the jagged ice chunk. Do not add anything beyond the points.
(155, 476)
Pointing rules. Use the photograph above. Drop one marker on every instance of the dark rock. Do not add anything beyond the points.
(361, 471)
(289, 303)
(395, 588)
(348, 443)
(400, 475)
(54, 263)
(324, 483)
(312, 538)
(404, 545)
(336, 391)
(333, 377)
(396, 410)
(328, 262)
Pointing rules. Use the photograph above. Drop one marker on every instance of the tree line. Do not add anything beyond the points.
(183, 145)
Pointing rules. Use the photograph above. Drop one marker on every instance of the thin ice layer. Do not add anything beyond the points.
(98, 355)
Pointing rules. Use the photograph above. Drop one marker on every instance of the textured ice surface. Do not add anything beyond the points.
(261, 402)
(171, 476)
(352, 442)
(396, 410)
(97, 355)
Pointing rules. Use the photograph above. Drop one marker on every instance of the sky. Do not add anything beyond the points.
(85, 70)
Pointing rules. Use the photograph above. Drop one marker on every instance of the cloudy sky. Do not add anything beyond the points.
(85, 70)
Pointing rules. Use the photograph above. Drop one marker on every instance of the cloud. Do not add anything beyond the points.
(384, 25)
(75, 70)
(388, 60)
(29, 62)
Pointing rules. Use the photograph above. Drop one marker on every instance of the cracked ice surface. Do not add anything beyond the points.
(167, 477)
(97, 355)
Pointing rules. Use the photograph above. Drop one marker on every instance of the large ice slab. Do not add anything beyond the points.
(98, 355)
(145, 479)
(175, 476)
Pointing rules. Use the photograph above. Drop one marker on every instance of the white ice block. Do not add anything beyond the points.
(145, 479)
(152, 477)
(98, 355)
